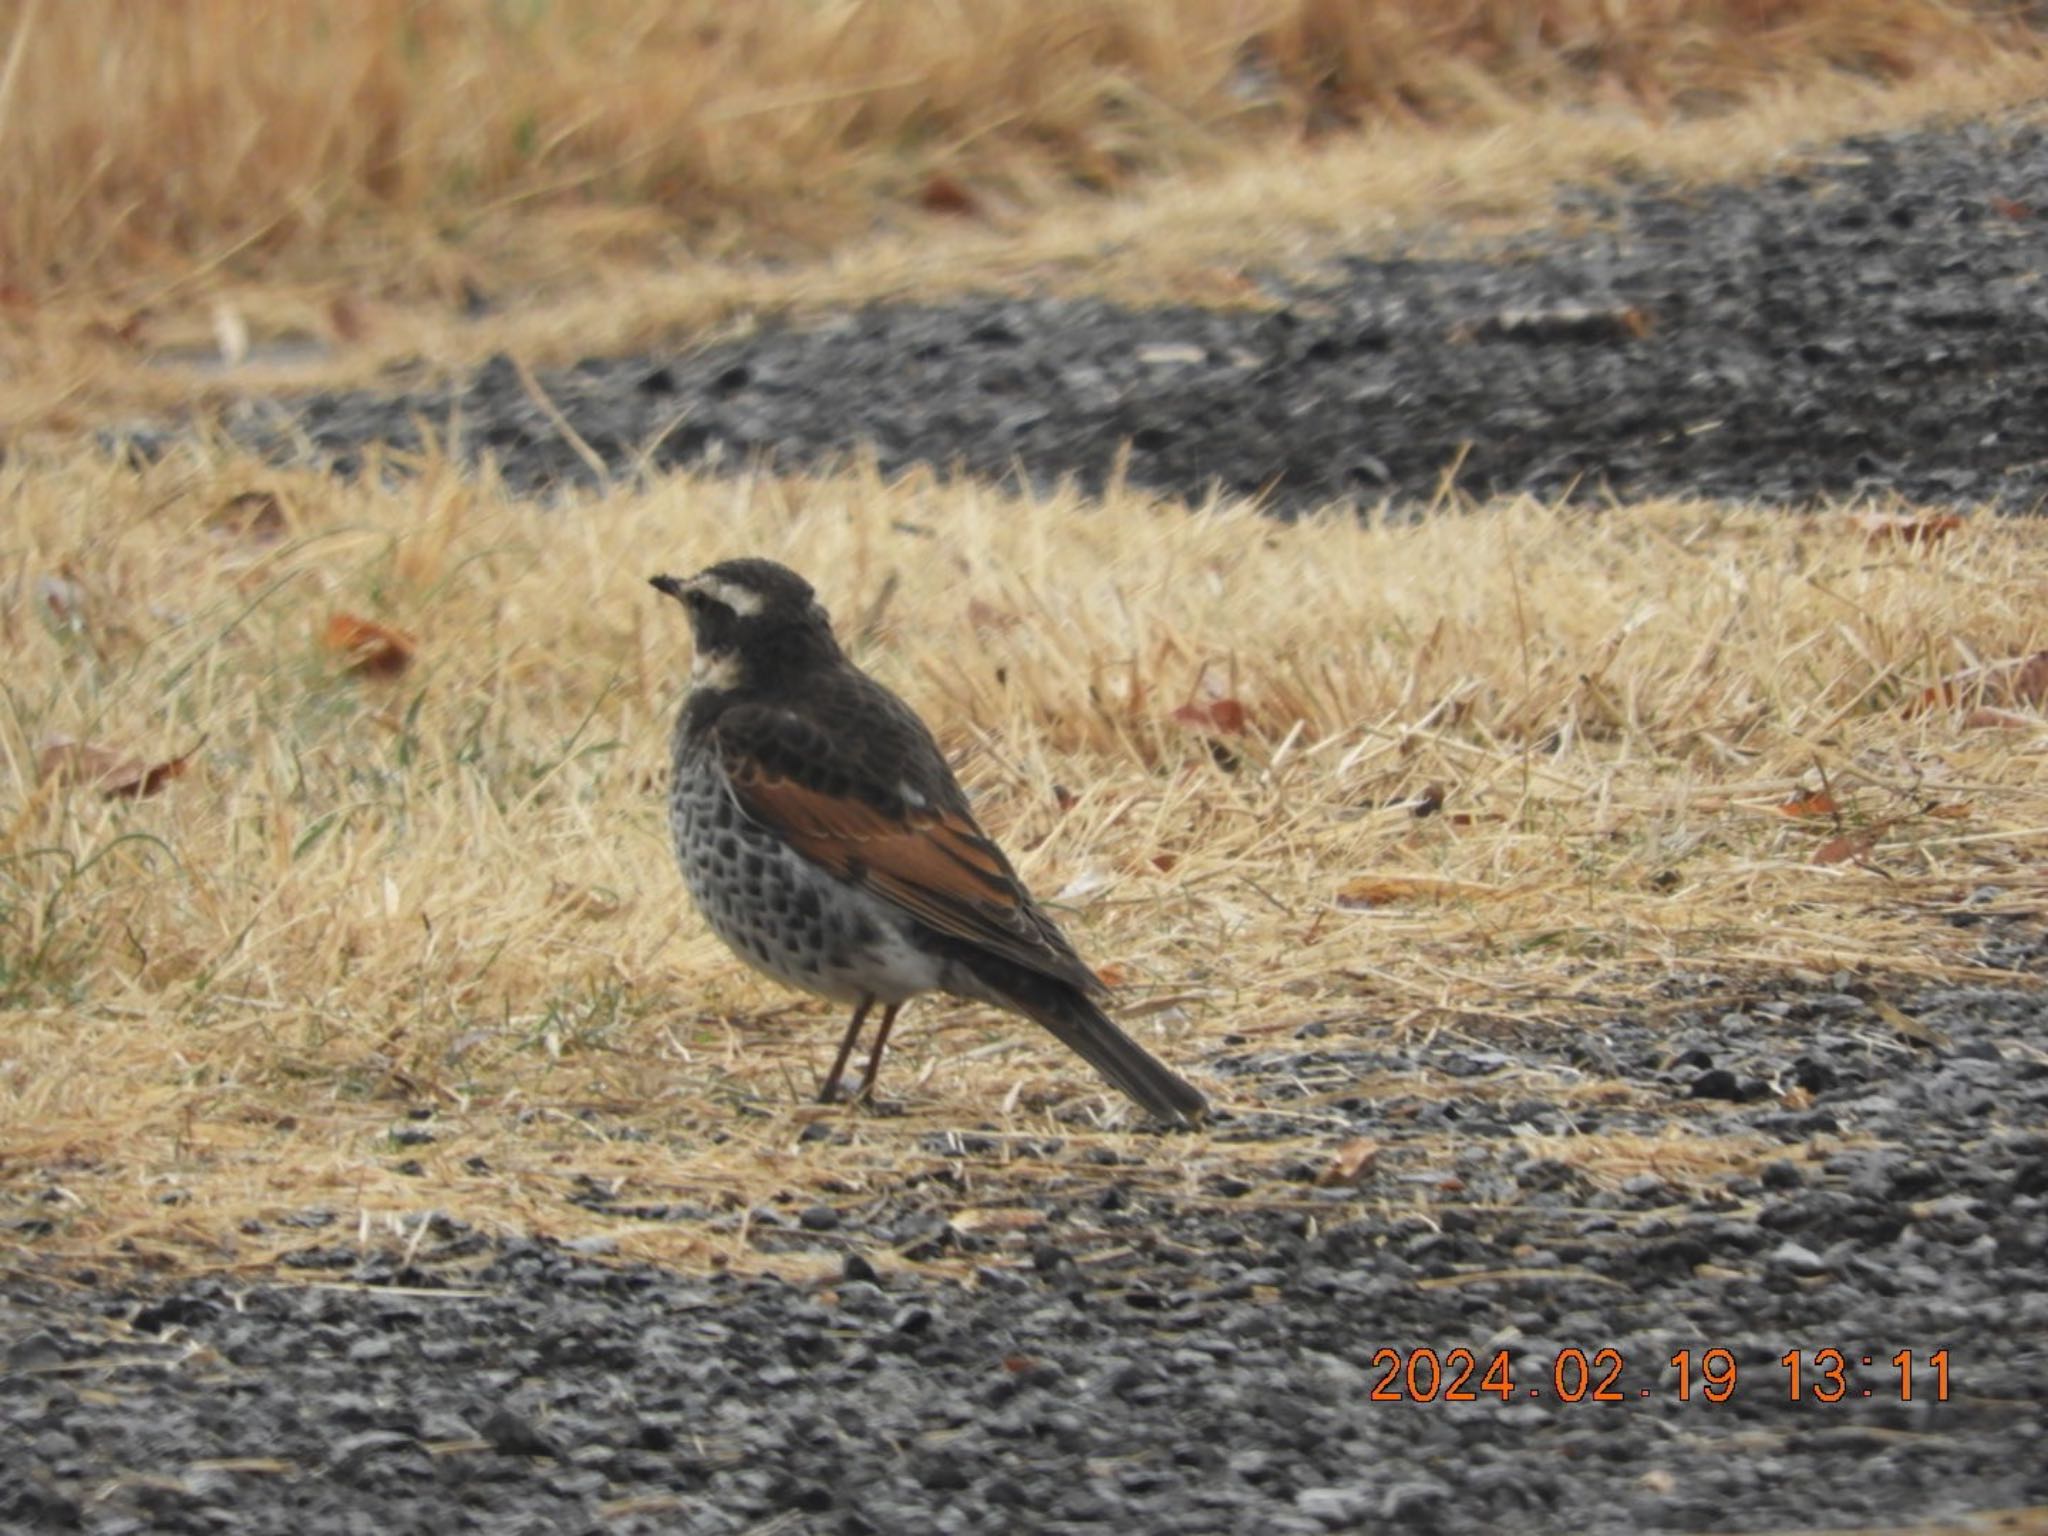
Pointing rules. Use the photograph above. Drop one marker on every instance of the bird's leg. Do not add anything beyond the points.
(831, 1089)
(867, 1078)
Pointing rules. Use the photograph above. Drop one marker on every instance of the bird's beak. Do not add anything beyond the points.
(670, 586)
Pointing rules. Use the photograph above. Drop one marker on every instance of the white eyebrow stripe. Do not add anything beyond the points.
(741, 600)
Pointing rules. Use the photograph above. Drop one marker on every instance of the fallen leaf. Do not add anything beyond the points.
(987, 616)
(131, 331)
(1391, 890)
(1956, 812)
(1819, 803)
(372, 649)
(1165, 862)
(1898, 528)
(2021, 681)
(997, 1218)
(1350, 1163)
(67, 761)
(1111, 975)
(1997, 720)
(251, 514)
(345, 315)
(2010, 208)
(946, 194)
(1850, 845)
(1224, 715)
(1017, 1365)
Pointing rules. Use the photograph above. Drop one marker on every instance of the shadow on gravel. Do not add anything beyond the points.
(1247, 1360)
(1874, 324)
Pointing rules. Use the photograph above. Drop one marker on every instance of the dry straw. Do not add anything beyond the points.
(376, 892)
(321, 190)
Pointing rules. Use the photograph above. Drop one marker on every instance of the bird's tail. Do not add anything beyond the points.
(1088, 1032)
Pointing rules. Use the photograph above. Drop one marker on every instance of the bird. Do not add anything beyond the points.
(824, 838)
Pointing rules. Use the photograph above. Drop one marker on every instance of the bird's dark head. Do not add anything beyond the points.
(755, 622)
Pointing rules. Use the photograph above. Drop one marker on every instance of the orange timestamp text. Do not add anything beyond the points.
(1573, 1375)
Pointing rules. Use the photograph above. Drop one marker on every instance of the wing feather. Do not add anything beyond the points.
(931, 860)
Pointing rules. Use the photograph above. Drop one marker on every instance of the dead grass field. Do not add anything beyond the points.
(621, 173)
(449, 888)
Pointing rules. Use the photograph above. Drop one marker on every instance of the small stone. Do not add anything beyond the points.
(351, 1453)
(1781, 1175)
(1335, 1509)
(513, 1434)
(41, 1348)
(1798, 1259)
(1717, 1083)
(911, 1321)
(855, 1267)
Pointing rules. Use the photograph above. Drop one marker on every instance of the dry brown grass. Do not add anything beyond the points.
(252, 131)
(451, 889)
(624, 172)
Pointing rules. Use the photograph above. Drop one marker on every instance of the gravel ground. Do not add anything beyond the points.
(1148, 1359)
(1873, 325)
(1144, 1362)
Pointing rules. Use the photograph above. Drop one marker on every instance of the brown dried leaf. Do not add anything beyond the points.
(67, 761)
(1958, 811)
(252, 514)
(986, 616)
(1819, 803)
(1997, 720)
(1223, 716)
(1849, 846)
(2011, 208)
(1898, 528)
(1350, 1163)
(1165, 862)
(372, 649)
(947, 194)
(1392, 890)
(346, 316)
(2021, 681)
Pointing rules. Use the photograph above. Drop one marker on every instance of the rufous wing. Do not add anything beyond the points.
(932, 861)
